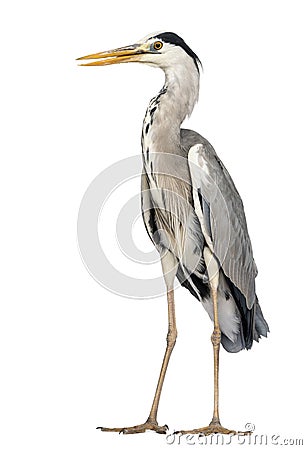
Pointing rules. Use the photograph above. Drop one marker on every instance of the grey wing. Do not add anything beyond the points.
(220, 211)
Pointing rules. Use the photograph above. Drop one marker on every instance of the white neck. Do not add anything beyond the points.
(161, 129)
(182, 82)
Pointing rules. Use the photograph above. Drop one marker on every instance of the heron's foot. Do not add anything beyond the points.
(212, 428)
(148, 425)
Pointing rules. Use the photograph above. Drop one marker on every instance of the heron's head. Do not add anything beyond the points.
(165, 50)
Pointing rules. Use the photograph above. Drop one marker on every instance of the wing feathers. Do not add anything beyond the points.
(229, 236)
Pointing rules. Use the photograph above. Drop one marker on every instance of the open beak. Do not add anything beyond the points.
(131, 53)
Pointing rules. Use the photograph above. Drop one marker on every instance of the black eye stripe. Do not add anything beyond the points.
(174, 39)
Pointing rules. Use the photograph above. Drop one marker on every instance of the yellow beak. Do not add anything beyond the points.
(131, 53)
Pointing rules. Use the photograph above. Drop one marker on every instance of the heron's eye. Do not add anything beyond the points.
(158, 45)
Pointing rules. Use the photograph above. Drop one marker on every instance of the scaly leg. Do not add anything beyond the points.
(215, 424)
(151, 423)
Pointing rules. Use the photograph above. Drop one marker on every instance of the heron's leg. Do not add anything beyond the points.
(216, 341)
(171, 340)
(169, 266)
(215, 424)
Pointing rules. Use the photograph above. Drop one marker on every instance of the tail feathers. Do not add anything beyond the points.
(234, 346)
(261, 326)
(247, 315)
(239, 326)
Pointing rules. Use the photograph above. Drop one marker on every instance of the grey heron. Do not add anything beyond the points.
(193, 214)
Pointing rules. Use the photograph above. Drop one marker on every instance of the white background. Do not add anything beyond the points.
(74, 356)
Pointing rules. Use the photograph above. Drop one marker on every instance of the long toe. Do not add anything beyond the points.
(138, 428)
(211, 429)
